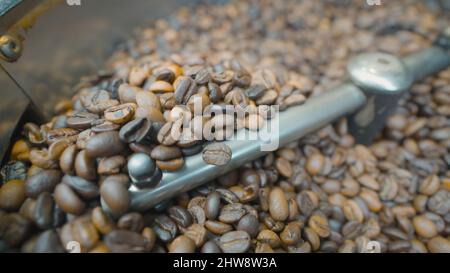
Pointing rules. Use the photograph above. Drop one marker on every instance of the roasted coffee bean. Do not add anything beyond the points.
(102, 222)
(69, 134)
(165, 153)
(116, 196)
(212, 206)
(111, 165)
(81, 120)
(147, 100)
(215, 94)
(97, 101)
(197, 233)
(82, 187)
(14, 228)
(127, 93)
(121, 113)
(180, 215)
(198, 214)
(125, 241)
(48, 242)
(218, 154)
(13, 170)
(12, 195)
(185, 87)
(182, 244)
(424, 227)
(165, 228)
(131, 221)
(249, 223)
(43, 211)
(138, 130)
(43, 181)
(319, 224)
(291, 234)
(85, 233)
(164, 135)
(170, 165)
(104, 145)
(232, 213)
(68, 200)
(85, 166)
(160, 87)
(438, 244)
(210, 247)
(67, 159)
(234, 242)
(269, 237)
(218, 227)
(284, 167)
(278, 205)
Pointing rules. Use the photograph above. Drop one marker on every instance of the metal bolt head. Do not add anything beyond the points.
(140, 167)
(380, 73)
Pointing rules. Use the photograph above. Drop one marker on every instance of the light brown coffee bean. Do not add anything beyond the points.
(278, 205)
(182, 244)
(234, 242)
(12, 195)
(67, 200)
(218, 154)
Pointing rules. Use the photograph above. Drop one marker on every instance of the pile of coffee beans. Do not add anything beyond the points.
(324, 193)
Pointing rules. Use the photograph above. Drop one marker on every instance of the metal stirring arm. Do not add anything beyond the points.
(377, 82)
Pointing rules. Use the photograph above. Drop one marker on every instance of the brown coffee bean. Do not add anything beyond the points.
(121, 113)
(232, 213)
(116, 196)
(160, 87)
(197, 233)
(43, 211)
(165, 153)
(291, 234)
(111, 165)
(424, 227)
(218, 154)
(319, 224)
(210, 247)
(185, 87)
(352, 211)
(147, 100)
(43, 181)
(164, 135)
(138, 130)
(284, 167)
(127, 93)
(249, 223)
(198, 214)
(104, 145)
(132, 221)
(170, 165)
(102, 222)
(84, 232)
(69, 134)
(269, 237)
(430, 185)
(12, 195)
(315, 164)
(67, 200)
(165, 228)
(278, 205)
(438, 244)
(180, 215)
(85, 166)
(81, 120)
(48, 242)
(67, 159)
(125, 241)
(234, 242)
(212, 206)
(182, 244)
(97, 101)
(217, 227)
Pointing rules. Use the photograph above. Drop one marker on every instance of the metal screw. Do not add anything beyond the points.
(10, 48)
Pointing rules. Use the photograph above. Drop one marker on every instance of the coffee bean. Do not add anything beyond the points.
(67, 200)
(14, 228)
(67, 159)
(165, 228)
(102, 222)
(198, 214)
(212, 206)
(269, 237)
(138, 130)
(85, 166)
(97, 101)
(111, 165)
(147, 100)
(180, 215)
(43, 181)
(43, 211)
(84, 232)
(197, 233)
(127, 93)
(12, 195)
(182, 244)
(160, 87)
(48, 242)
(291, 234)
(170, 165)
(234, 242)
(69, 134)
(232, 213)
(165, 153)
(131, 221)
(81, 120)
(125, 241)
(210, 247)
(319, 224)
(278, 205)
(249, 223)
(185, 87)
(438, 244)
(164, 135)
(121, 113)
(315, 164)
(284, 167)
(104, 145)
(424, 227)
(218, 154)
(116, 196)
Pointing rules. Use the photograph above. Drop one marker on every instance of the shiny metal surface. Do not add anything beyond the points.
(294, 123)
(427, 62)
